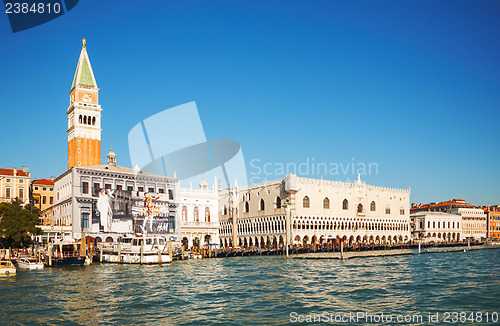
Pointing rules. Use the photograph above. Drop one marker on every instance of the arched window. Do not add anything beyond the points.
(93, 121)
(345, 204)
(184, 213)
(89, 121)
(402, 211)
(262, 206)
(326, 203)
(305, 202)
(247, 207)
(225, 210)
(207, 214)
(372, 206)
(360, 208)
(278, 202)
(80, 119)
(85, 120)
(388, 210)
(196, 214)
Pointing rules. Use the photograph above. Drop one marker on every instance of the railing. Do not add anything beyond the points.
(200, 224)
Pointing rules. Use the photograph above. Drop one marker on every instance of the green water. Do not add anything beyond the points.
(258, 291)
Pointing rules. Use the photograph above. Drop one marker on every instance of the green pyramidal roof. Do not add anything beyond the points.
(83, 74)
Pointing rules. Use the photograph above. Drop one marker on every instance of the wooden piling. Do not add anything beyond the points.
(50, 254)
(159, 256)
(142, 250)
(101, 248)
(182, 253)
(170, 250)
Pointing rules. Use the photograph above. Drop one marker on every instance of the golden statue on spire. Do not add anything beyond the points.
(84, 41)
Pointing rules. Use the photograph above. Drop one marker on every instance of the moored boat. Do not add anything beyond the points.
(29, 263)
(137, 249)
(7, 268)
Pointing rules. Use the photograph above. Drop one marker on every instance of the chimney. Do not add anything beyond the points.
(29, 175)
(51, 178)
(15, 172)
(25, 169)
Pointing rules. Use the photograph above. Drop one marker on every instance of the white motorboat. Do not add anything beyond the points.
(29, 263)
(7, 268)
(137, 249)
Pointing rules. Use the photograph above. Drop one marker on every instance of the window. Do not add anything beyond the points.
(372, 206)
(151, 189)
(107, 186)
(170, 194)
(21, 192)
(44, 189)
(225, 210)
(278, 202)
(207, 214)
(44, 200)
(7, 192)
(345, 204)
(262, 205)
(305, 202)
(51, 200)
(119, 187)
(196, 214)
(97, 186)
(360, 208)
(130, 188)
(247, 207)
(21, 181)
(388, 210)
(85, 221)
(8, 180)
(36, 188)
(85, 187)
(184, 213)
(326, 203)
(401, 211)
(161, 191)
(140, 189)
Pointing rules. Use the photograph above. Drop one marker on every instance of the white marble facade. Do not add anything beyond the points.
(320, 210)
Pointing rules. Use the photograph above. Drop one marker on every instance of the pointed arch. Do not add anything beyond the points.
(345, 204)
(278, 202)
(326, 203)
(360, 208)
(373, 206)
(262, 205)
(305, 202)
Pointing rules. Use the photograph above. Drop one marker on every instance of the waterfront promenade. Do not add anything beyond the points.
(255, 290)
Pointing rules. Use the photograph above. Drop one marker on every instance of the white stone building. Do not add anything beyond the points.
(199, 215)
(474, 222)
(436, 226)
(317, 210)
(77, 191)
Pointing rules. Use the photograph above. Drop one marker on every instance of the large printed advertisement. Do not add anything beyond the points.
(123, 211)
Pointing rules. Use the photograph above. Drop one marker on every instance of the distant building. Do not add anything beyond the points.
(199, 215)
(436, 226)
(318, 211)
(441, 206)
(14, 184)
(473, 222)
(43, 193)
(107, 201)
(493, 217)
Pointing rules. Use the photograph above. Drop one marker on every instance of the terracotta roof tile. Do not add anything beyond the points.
(45, 182)
(10, 172)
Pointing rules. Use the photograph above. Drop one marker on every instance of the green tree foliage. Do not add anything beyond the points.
(17, 225)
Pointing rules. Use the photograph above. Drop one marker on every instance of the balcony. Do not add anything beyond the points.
(191, 224)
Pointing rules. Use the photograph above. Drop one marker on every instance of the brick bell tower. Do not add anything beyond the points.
(84, 116)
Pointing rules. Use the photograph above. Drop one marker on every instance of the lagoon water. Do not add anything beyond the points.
(267, 290)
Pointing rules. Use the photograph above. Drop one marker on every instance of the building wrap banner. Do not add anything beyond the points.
(121, 211)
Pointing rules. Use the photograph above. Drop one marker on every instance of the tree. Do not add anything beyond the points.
(17, 225)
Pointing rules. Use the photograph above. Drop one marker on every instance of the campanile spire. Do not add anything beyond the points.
(84, 116)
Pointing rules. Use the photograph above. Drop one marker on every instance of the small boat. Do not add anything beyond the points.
(7, 268)
(29, 263)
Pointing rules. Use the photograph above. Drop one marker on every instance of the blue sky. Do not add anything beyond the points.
(413, 86)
